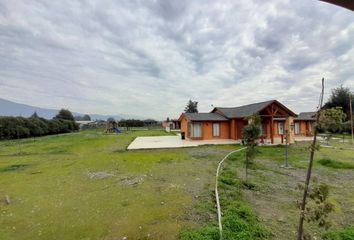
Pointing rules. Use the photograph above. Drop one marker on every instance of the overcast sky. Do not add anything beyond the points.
(148, 58)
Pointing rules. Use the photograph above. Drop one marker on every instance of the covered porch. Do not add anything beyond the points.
(277, 124)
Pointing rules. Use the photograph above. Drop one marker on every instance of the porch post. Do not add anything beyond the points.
(272, 129)
(233, 129)
(288, 122)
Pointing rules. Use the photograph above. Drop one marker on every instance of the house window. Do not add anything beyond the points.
(297, 128)
(263, 129)
(281, 128)
(216, 129)
(196, 130)
(310, 127)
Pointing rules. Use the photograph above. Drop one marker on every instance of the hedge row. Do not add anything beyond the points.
(131, 123)
(20, 127)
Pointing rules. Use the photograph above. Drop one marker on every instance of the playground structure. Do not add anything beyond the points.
(112, 127)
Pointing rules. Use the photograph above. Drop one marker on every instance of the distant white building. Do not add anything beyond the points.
(83, 124)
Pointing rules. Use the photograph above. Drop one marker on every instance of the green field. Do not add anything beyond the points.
(86, 185)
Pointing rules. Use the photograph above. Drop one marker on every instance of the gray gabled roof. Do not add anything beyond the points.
(224, 113)
(244, 111)
(306, 116)
(205, 117)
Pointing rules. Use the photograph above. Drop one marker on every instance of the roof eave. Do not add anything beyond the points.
(283, 106)
(219, 112)
(304, 119)
(342, 3)
(181, 116)
(209, 120)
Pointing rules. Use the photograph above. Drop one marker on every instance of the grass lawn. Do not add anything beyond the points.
(87, 186)
(275, 196)
(273, 193)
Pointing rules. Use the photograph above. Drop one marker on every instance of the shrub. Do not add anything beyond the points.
(64, 126)
(65, 114)
(54, 126)
(342, 234)
(335, 164)
(206, 233)
(37, 126)
(131, 123)
(19, 127)
(240, 223)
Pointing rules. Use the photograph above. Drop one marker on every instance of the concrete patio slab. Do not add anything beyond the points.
(173, 142)
(302, 138)
(176, 142)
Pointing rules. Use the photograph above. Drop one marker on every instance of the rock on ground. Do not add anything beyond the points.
(99, 175)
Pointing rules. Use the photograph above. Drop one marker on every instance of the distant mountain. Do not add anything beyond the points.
(9, 108)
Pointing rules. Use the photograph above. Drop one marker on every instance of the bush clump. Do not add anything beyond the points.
(335, 164)
(342, 234)
(240, 223)
(206, 233)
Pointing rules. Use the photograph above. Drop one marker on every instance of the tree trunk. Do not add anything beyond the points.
(247, 165)
(309, 170)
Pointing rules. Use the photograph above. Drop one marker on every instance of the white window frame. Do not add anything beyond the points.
(297, 128)
(263, 129)
(194, 130)
(216, 129)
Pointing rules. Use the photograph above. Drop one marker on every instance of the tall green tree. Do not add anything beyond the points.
(251, 134)
(110, 119)
(192, 107)
(34, 115)
(331, 119)
(65, 114)
(340, 98)
(86, 117)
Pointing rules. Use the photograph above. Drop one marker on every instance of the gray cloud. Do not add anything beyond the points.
(150, 57)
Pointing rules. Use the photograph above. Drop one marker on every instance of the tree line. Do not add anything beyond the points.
(131, 123)
(85, 117)
(35, 126)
